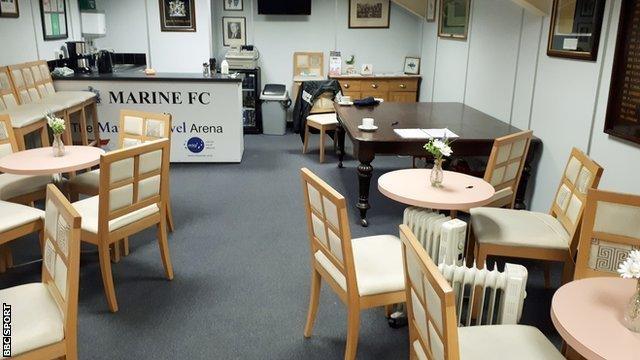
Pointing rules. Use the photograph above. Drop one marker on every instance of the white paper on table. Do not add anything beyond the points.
(411, 133)
(440, 133)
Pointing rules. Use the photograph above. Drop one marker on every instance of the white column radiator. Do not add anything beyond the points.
(501, 294)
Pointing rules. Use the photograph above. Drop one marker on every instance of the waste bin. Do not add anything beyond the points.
(275, 102)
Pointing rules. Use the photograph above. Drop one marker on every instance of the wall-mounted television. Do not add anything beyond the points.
(284, 7)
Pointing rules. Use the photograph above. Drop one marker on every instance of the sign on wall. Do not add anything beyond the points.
(206, 116)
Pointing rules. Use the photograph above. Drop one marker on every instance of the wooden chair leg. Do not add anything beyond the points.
(353, 328)
(96, 124)
(67, 136)
(107, 277)
(3, 264)
(20, 139)
(314, 298)
(44, 136)
(568, 269)
(8, 256)
(125, 246)
(164, 249)
(547, 274)
(115, 252)
(306, 139)
(84, 137)
(170, 223)
(322, 132)
(388, 310)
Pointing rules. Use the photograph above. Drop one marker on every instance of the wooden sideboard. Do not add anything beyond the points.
(399, 88)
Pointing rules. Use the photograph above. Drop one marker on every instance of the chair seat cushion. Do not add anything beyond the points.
(68, 98)
(28, 114)
(14, 215)
(378, 264)
(505, 342)
(323, 119)
(89, 179)
(36, 320)
(518, 228)
(15, 185)
(88, 210)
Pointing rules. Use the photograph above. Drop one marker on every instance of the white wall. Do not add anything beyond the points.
(22, 38)
(503, 70)
(124, 35)
(326, 29)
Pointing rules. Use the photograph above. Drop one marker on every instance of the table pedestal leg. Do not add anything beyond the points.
(340, 141)
(364, 176)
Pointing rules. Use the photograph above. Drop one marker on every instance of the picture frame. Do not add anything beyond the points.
(9, 9)
(366, 69)
(233, 5)
(53, 14)
(454, 19)
(574, 32)
(234, 31)
(177, 15)
(431, 10)
(369, 14)
(412, 65)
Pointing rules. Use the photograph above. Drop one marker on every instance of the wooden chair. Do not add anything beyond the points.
(433, 324)
(538, 236)
(364, 272)
(44, 315)
(610, 229)
(25, 119)
(16, 221)
(132, 197)
(505, 166)
(136, 127)
(323, 123)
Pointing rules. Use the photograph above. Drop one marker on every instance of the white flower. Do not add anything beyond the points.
(630, 268)
(445, 149)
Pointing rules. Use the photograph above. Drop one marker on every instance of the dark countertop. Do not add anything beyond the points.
(137, 73)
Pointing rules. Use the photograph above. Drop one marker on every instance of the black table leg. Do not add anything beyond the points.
(365, 171)
(340, 139)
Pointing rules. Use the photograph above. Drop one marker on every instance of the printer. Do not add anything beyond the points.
(243, 58)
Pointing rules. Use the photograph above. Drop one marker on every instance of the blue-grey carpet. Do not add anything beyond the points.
(241, 258)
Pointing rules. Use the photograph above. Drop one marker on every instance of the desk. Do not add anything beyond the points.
(588, 315)
(477, 132)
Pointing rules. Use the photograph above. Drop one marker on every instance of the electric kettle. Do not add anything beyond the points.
(105, 62)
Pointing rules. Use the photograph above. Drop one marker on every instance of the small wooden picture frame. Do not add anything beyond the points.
(232, 5)
(234, 31)
(177, 16)
(9, 9)
(412, 65)
(369, 14)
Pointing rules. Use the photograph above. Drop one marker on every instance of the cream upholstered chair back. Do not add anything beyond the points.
(61, 255)
(581, 174)
(431, 308)
(137, 127)
(8, 98)
(328, 226)
(610, 229)
(8, 142)
(41, 77)
(132, 179)
(24, 83)
(505, 165)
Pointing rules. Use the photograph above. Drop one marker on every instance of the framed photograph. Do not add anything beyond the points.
(178, 15)
(454, 19)
(232, 5)
(431, 10)
(369, 14)
(54, 19)
(575, 29)
(412, 65)
(9, 8)
(367, 69)
(234, 31)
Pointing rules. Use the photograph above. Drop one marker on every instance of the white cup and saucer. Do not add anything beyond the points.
(368, 124)
(345, 100)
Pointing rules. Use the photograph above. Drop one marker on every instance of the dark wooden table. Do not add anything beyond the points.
(477, 131)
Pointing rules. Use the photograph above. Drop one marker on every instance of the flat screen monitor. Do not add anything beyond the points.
(284, 7)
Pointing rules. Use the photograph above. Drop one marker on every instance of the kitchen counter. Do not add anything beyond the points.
(136, 73)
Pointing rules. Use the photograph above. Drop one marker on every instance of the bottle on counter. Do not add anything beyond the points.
(205, 70)
(224, 67)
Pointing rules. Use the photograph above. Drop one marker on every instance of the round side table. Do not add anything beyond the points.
(40, 161)
(588, 315)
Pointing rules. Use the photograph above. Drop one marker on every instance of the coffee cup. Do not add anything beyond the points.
(368, 122)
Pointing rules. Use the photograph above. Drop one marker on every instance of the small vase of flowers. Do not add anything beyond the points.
(630, 269)
(57, 126)
(439, 149)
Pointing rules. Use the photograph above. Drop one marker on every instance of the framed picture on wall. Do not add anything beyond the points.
(178, 15)
(9, 8)
(575, 29)
(431, 10)
(454, 19)
(412, 65)
(233, 5)
(234, 31)
(54, 19)
(372, 14)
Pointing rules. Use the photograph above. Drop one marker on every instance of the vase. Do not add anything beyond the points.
(632, 311)
(57, 146)
(436, 173)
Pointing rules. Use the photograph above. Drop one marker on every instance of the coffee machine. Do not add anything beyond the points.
(78, 57)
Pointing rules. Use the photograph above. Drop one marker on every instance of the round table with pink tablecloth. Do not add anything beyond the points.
(40, 161)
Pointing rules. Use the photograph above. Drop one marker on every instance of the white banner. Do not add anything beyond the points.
(206, 115)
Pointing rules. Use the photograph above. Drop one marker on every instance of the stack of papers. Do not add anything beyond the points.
(425, 133)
